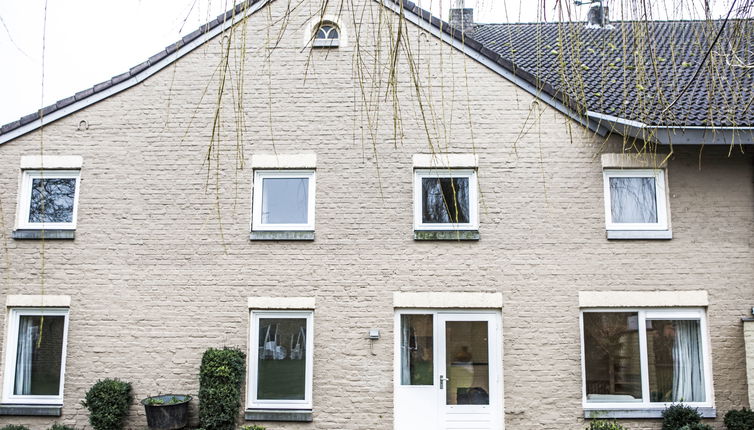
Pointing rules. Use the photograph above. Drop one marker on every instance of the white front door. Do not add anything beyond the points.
(448, 371)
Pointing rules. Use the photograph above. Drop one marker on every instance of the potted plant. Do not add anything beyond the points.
(167, 411)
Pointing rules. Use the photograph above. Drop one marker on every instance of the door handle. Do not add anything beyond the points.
(443, 380)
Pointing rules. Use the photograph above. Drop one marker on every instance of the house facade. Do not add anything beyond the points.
(411, 237)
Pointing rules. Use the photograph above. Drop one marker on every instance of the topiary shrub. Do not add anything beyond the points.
(604, 425)
(677, 416)
(696, 426)
(108, 401)
(741, 419)
(57, 426)
(220, 377)
(14, 427)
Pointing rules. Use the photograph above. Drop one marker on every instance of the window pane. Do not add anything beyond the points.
(285, 200)
(612, 357)
(445, 200)
(674, 350)
(416, 350)
(467, 363)
(282, 359)
(39, 355)
(52, 200)
(633, 200)
(333, 34)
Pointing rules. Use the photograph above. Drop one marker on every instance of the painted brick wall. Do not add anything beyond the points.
(749, 341)
(162, 265)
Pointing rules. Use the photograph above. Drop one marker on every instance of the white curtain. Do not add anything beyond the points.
(27, 332)
(688, 375)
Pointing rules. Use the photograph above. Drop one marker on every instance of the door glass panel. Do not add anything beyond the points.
(467, 363)
(416, 350)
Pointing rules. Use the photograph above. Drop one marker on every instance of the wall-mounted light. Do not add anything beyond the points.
(374, 334)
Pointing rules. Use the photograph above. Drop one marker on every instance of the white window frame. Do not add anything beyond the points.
(652, 314)
(24, 199)
(256, 199)
(252, 401)
(661, 197)
(11, 349)
(471, 174)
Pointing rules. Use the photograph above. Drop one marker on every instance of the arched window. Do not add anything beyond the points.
(327, 36)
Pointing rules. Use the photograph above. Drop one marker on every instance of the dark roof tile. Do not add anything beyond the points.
(65, 102)
(10, 126)
(29, 118)
(83, 94)
(154, 59)
(139, 68)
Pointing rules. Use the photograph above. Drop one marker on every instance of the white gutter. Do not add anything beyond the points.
(134, 80)
(664, 134)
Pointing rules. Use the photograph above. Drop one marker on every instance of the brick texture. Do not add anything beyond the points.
(162, 265)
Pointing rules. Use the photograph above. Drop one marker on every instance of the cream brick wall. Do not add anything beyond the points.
(161, 267)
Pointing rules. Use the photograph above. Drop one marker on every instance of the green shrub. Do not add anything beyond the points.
(220, 378)
(604, 425)
(14, 427)
(742, 419)
(696, 426)
(108, 401)
(677, 416)
(57, 426)
(253, 427)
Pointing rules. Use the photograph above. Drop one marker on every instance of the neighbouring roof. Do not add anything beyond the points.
(639, 71)
(614, 71)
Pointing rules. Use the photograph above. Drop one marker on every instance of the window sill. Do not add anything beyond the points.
(640, 234)
(23, 234)
(281, 235)
(329, 43)
(31, 410)
(289, 415)
(446, 234)
(638, 413)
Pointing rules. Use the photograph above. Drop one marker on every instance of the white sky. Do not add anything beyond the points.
(89, 41)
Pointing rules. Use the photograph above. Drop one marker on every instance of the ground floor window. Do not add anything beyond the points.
(280, 368)
(645, 358)
(35, 356)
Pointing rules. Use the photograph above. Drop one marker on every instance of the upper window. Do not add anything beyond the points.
(635, 199)
(283, 200)
(280, 371)
(35, 356)
(48, 199)
(645, 358)
(327, 35)
(445, 199)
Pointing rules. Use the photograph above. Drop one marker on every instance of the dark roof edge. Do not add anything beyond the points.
(135, 75)
(497, 63)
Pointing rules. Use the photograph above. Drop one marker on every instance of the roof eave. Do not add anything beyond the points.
(675, 135)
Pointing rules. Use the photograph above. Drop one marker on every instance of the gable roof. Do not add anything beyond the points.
(639, 71)
(133, 76)
(499, 47)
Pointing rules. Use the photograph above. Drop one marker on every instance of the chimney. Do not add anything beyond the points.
(598, 16)
(462, 18)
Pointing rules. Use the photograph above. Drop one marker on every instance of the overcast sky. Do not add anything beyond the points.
(89, 41)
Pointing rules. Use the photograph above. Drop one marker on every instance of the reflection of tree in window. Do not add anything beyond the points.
(612, 357)
(633, 200)
(445, 200)
(52, 200)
